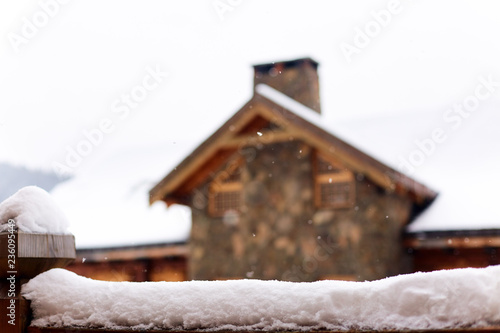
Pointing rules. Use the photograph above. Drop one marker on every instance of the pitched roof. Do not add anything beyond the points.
(463, 168)
(296, 122)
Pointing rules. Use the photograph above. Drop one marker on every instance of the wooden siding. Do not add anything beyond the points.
(161, 262)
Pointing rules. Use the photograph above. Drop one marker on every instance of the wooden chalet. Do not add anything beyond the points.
(275, 195)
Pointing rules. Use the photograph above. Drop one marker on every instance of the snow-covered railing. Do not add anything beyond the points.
(33, 239)
(464, 300)
(22, 257)
(94, 330)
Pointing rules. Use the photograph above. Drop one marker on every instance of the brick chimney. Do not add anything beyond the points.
(297, 79)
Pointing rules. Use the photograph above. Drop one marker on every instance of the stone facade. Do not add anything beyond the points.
(278, 233)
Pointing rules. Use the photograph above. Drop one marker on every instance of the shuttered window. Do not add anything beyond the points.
(334, 184)
(226, 191)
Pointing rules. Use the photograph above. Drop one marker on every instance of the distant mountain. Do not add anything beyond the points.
(12, 178)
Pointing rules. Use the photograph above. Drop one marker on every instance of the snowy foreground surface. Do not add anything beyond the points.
(33, 210)
(442, 299)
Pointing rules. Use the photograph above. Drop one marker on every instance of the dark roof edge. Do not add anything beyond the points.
(287, 63)
(406, 181)
(452, 233)
(187, 159)
(131, 247)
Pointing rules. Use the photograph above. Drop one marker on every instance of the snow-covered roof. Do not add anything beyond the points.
(436, 300)
(462, 166)
(290, 104)
(107, 200)
(296, 121)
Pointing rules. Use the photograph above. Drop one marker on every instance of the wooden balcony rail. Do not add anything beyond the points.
(36, 253)
(22, 257)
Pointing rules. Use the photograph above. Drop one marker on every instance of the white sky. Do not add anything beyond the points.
(66, 77)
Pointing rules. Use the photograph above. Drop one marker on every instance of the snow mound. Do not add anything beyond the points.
(118, 207)
(33, 210)
(436, 300)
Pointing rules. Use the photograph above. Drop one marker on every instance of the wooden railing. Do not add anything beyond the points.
(89, 330)
(23, 256)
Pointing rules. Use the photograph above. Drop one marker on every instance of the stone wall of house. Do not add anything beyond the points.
(279, 234)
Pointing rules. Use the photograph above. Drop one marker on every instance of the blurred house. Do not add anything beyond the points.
(275, 195)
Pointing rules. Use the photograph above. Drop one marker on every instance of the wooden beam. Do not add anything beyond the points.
(266, 138)
(36, 253)
(453, 242)
(132, 253)
(204, 171)
(209, 148)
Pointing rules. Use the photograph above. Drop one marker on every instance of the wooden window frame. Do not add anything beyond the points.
(221, 185)
(338, 175)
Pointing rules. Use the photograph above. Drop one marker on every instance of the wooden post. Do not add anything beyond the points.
(22, 257)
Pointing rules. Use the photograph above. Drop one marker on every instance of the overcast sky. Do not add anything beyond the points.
(67, 68)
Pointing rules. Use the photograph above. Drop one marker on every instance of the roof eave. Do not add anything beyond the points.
(165, 188)
(379, 172)
(387, 176)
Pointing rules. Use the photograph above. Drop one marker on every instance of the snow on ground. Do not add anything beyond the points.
(440, 299)
(33, 210)
(107, 201)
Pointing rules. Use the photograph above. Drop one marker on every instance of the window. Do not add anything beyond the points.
(225, 200)
(225, 190)
(334, 184)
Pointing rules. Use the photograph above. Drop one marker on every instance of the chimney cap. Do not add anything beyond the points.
(285, 64)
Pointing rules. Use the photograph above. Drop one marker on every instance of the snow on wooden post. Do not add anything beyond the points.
(33, 239)
(22, 257)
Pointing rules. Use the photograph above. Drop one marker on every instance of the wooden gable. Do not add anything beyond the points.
(264, 121)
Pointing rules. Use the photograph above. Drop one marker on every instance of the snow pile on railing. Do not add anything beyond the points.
(442, 299)
(33, 210)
